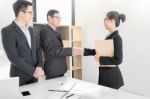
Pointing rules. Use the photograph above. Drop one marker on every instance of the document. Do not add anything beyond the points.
(105, 47)
(63, 91)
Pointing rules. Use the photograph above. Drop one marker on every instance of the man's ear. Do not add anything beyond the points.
(20, 13)
(49, 18)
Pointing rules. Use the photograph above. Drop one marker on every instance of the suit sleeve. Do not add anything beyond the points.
(50, 48)
(9, 44)
(40, 58)
(118, 54)
(89, 52)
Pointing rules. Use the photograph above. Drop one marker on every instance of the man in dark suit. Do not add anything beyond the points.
(21, 46)
(52, 45)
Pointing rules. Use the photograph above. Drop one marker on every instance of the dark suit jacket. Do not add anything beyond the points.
(109, 76)
(23, 58)
(54, 52)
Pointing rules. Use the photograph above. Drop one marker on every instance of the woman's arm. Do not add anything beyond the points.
(89, 52)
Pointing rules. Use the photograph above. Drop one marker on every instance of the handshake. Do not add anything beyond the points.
(77, 51)
(85, 51)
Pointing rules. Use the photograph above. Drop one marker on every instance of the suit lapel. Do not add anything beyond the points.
(58, 35)
(112, 35)
(32, 37)
(33, 43)
(20, 32)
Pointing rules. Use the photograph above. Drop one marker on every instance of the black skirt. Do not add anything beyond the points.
(110, 77)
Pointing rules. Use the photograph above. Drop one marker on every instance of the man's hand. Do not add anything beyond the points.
(77, 51)
(38, 72)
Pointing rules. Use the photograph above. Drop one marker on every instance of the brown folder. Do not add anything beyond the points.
(105, 47)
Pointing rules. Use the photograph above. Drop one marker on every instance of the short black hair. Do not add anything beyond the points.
(116, 16)
(51, 13)
(21, 5)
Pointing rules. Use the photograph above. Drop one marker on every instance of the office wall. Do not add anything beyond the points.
(135, 33)
(63, 6)
(5, 9)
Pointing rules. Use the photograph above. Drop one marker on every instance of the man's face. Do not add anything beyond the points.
(27, 15)
(55, 19)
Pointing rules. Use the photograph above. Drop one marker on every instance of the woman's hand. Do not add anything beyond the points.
(97, 56)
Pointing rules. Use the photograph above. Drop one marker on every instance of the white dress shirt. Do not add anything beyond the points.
(25, 31)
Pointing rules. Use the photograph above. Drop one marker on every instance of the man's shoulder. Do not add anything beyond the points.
(46, 30)
(45, 27)
(8, 27)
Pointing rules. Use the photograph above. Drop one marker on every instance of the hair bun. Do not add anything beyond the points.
(122, 17)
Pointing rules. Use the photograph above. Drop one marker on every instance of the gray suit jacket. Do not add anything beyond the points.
(23, 58)
(54, 52)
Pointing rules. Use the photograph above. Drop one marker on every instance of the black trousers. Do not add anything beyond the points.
(54, 76)
(25, 82)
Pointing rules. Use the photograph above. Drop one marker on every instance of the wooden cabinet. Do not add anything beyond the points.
(71, 36)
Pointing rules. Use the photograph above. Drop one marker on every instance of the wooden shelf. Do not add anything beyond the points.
(71, 36)
(68, 62)
(76, 33)
(77, 74)
(77, 61)
(76, 44)
(37, 27)
(76, 67)
(64, 32)
(67, 43)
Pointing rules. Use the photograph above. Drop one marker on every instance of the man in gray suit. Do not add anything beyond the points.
(54, 51)
(21, 45)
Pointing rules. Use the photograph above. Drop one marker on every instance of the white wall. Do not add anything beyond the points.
(135, 33)
(7, 15)
(63, 6)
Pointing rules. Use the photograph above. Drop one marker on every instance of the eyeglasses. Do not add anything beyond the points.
(59, 18)
(30, 12)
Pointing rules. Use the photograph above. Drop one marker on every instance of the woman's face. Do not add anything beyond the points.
(107, 23)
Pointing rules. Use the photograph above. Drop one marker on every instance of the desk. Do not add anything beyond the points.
(81, 89)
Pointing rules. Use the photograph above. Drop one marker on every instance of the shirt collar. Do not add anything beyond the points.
(111, 33)
(21, 25)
